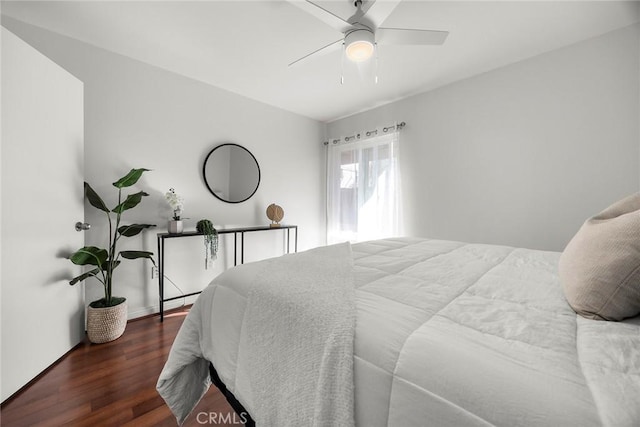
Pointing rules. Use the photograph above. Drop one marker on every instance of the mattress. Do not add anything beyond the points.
(447, 334)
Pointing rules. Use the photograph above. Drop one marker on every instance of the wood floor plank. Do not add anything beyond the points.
(112, 384)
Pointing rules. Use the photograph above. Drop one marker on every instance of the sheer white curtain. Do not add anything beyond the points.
(363, 189)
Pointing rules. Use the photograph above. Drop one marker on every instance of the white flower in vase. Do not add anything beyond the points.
(176, 202)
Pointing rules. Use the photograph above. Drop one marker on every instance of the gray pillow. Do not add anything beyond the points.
(600, 267)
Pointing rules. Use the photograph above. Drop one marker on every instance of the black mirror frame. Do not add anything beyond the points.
(204, 174)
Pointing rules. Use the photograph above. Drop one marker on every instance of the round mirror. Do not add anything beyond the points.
(231, 173)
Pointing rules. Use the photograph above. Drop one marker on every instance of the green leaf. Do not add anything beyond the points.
(94, 199)
(129, 179)
(131, 202)
(84, 276)
(89, 255)
(138, 254)
(115, 264)
(133, 229)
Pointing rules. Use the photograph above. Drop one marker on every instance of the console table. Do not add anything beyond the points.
(162, 237)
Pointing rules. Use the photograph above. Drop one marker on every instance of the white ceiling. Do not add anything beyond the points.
(245, 46)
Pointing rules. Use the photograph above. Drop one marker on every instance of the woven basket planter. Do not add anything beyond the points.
(106, 324)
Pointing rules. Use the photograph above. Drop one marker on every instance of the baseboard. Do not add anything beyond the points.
(40, 375)
(155, 309)
(133, 315)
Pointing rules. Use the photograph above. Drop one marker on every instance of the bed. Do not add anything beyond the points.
(410, 332)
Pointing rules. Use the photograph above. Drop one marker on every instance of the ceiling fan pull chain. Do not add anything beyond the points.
(342, 65)
(375, 70)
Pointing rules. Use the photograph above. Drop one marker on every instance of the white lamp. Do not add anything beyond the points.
(359, 45)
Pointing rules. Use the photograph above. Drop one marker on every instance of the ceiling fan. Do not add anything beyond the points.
(362, 31)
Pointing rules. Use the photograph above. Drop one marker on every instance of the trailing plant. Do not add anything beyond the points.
(205, 227)
(107, 260)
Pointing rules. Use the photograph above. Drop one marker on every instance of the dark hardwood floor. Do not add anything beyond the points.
(112, 384)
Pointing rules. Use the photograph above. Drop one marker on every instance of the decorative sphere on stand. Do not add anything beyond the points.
(275, 213)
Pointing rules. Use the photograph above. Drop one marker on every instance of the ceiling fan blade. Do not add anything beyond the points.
(410, 36)
(379, 11)
(322, 14)
(366, 5)
(331, 47)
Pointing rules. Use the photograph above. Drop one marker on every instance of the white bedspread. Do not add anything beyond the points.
(294, 344)
(454, 334)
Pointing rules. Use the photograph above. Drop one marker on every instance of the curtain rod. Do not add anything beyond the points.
(368, 133)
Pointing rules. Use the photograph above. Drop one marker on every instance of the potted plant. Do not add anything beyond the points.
(206, 227)
(177, 205)
(107, 317)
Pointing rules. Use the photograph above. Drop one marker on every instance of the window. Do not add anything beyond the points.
(363, 191)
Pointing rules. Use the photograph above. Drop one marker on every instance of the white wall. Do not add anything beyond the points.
(137, 115)
(42, 316)
(521, 155)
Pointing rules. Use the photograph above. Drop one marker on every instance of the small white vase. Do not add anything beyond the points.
(175, 227)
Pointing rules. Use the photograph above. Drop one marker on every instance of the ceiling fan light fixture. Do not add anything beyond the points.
(359, 45)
